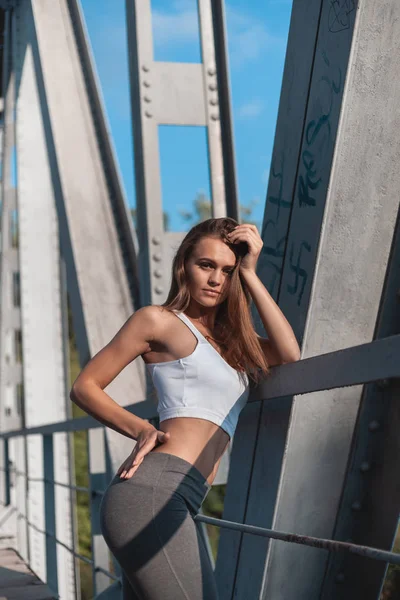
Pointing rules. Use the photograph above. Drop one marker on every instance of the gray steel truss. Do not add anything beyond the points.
(11, 374)
(316, 448)
(167, 93)
(328, 227)
(176, 94)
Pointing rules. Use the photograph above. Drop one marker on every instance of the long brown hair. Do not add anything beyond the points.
(233, 322)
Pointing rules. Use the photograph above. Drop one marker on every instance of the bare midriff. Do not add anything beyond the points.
(199, 442)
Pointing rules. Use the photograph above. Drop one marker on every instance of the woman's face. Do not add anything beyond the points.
(208, 271)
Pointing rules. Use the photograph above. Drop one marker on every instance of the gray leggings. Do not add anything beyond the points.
(147, 523)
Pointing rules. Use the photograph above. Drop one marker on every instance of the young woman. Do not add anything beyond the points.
(201, 349)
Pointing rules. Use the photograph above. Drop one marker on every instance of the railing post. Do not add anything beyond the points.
(98, 482)
(7, 479)
(50, 513)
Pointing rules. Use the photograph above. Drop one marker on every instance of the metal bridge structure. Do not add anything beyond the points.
(312, 480)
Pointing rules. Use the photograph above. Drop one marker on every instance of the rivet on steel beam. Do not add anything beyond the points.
(211, 71)
(155, 240)
(373, 426)
(158, 289)
(212, 87)
(213, 102)
(148, 114)
(157, 273)
(157, 257)
(147, 99)
(339, 578)
(145, 68)
(215, 117)
(356, 505)
(146, 83)
(365, 466)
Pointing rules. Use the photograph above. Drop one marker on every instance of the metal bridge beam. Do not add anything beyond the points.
(328, 228)
(168, 93)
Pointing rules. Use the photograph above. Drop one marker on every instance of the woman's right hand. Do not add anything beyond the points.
(147, 439)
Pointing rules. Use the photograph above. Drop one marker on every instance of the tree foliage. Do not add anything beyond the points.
(202, 210)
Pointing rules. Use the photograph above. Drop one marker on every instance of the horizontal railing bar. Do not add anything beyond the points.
(374, 361)
(333, 545)
(145, 410)
(101, 570)
(51, 534)
(77, 488)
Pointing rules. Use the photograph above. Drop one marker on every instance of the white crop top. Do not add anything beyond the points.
(201, 385)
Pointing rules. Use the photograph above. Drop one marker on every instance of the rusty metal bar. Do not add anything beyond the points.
(332, 545)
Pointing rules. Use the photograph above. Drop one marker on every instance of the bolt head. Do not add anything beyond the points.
(373, 426)
(146, 83)
(339, 578)
(365, 466)
(155, 240)
(212, 87)
(145, 68)
(148, 114)
(211, 71)
(158, 289)
(157, 273)
(356, 505)
(157, 257)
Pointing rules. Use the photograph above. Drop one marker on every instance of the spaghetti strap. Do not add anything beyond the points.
(194, 330)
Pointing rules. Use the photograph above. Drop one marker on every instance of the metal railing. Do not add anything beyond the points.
(377, 361)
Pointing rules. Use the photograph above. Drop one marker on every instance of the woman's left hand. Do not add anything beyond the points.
(249, 234)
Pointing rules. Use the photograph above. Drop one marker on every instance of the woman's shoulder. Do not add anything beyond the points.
(154, 314)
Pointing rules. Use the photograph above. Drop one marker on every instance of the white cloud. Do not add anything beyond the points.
(177, 26)
(247, 37)
(251, 109)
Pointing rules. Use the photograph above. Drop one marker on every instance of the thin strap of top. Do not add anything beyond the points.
(200, 337)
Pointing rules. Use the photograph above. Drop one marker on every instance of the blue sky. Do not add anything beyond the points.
(257, 36)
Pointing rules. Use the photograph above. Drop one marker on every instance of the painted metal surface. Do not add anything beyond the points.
(42, 335)
(306, 540)
(11, 375)
(80, 195)
(354, 170)
(173, 94)
(121, 212)
(290, 266)
(311, 263)
(336, 362)
(97, 278)
(255, 424)
(369, 507)
(10, 318)
(167, 93)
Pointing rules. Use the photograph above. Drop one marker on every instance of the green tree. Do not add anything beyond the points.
(202, 210)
